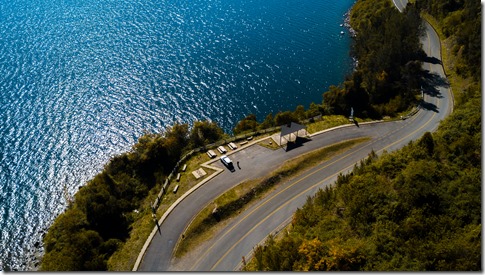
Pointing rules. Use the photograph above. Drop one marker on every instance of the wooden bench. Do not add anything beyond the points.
(232, 146)
(211, 154)
(176, 188)
(184, 168)
(178, 177)
(221, 149)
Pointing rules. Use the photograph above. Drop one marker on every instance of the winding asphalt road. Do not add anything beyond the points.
(225, 251)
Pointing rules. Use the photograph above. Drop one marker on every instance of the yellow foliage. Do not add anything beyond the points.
(382, 77)
(332, 255)
(313, 251)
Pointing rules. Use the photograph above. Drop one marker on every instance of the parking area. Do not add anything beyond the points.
(247, 163)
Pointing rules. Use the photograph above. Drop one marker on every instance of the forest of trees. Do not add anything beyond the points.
(99, 218)
(387, 47)
(389, 75)
(415, 209)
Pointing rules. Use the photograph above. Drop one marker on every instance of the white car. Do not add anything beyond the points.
(226, 160)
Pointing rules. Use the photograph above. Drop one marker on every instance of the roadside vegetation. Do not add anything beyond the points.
(416, 209)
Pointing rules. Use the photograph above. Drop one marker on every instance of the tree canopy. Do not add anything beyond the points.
(388, 49)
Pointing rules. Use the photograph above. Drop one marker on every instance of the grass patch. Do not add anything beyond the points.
(269, 143)
(241, 196)
(125, 256)
(327, 122)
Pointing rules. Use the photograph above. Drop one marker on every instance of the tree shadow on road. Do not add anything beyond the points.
(432, 60)
(431, 83)
(429, 106)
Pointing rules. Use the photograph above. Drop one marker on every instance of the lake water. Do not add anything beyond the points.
(81, 80)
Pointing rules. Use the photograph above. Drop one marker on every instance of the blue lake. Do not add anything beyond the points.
(81, 80)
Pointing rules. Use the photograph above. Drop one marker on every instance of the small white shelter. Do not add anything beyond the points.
(291, 131)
